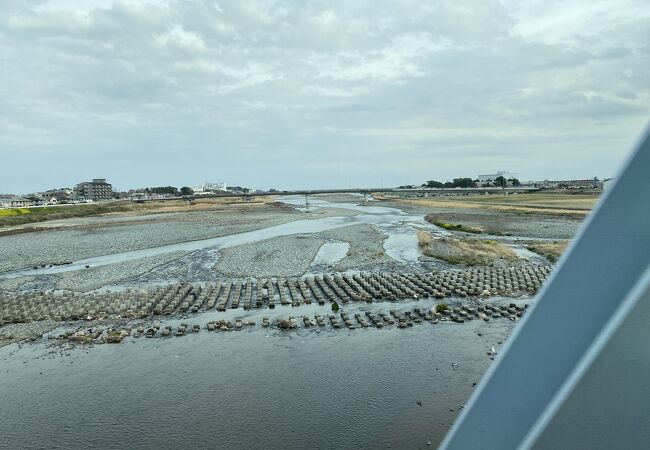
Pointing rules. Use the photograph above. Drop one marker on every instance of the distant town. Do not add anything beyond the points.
(100, 190)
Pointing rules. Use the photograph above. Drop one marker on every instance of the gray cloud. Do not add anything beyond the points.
(290, 94)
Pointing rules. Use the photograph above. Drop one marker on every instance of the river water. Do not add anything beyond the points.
(257, 388)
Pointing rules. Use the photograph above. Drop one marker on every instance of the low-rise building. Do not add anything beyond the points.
(60, 194)
(491, 177)
(16, 202)
(96, 190)
(590, 183)
(208, 187)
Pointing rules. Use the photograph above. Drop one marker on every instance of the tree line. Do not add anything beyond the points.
(169, 190)
(465, 183)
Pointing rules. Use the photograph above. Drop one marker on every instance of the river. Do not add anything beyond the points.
(257, 388)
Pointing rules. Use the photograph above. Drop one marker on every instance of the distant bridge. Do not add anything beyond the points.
(363, 191)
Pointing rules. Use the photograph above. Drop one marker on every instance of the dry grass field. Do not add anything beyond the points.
(464, 251)
(546, 203)
(20, 216)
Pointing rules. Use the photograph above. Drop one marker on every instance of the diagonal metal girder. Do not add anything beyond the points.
(575, 314)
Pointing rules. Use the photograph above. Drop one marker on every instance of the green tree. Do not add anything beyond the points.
(162, 190)
(501, 182)
(464, 182)
(187, 191)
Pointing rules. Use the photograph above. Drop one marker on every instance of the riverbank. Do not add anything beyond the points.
(20, 220)
(77, 239)
(575, 205)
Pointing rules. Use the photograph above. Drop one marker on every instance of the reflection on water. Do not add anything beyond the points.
(259, 388)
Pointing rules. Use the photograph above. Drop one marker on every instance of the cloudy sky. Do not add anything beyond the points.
(290, 94)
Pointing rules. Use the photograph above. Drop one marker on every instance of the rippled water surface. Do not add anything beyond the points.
(257, 388)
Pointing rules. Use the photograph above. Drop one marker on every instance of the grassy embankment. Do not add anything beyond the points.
(20, 216)
(551, 250)
(30, 215)
(577, 205)
(464, 251)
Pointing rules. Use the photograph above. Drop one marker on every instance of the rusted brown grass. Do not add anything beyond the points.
(464, 251)
(551, 250)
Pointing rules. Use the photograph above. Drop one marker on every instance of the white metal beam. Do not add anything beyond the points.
(532, 376)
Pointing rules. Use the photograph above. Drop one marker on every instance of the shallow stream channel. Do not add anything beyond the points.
(400, 228)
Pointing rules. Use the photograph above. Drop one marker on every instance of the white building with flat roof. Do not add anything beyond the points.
(494, 176)
(210, 187)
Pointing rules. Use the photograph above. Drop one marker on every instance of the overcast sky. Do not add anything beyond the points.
(293, 94)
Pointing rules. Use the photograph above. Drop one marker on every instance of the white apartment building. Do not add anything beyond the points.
(494, 176)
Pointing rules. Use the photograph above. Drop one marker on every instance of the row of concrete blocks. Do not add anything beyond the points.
(340, 288)
(345, 320)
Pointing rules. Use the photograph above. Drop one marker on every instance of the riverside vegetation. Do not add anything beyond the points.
(551, 250)
(464, 251)
(451, 226)
(22, 216)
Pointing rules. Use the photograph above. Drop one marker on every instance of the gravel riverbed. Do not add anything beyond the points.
(56, 246)
(281, 256)
(284, 255)
(17, 332)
